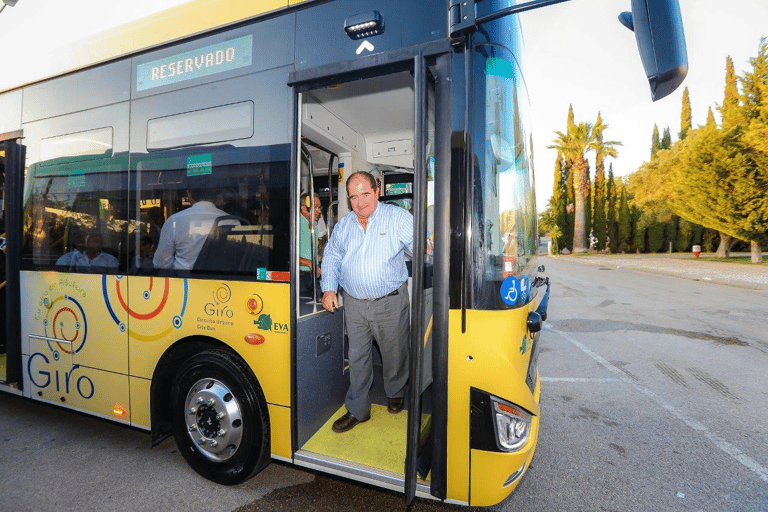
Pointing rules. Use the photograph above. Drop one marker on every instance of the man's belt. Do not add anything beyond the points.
(390, 294)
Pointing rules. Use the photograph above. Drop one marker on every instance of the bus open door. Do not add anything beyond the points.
(340, 133)
(11, 182)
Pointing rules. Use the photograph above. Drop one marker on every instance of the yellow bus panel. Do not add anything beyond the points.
(253, 318)
(280, 425)
(139, 408)
(492, 355)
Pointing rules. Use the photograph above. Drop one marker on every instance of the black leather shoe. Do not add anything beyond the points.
(395, 405)
(345, 423)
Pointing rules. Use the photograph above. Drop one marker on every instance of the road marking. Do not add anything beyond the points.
(577, 379)
(718, 441)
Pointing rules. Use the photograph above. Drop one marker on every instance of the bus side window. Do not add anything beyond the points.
(245, 184)
(70, 207)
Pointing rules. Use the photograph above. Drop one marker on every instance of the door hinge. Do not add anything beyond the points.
(461, 17)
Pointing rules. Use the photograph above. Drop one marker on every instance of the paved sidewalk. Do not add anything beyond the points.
(680, 265)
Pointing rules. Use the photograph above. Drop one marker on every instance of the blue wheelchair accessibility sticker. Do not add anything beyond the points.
(525, 289)
(510, 291)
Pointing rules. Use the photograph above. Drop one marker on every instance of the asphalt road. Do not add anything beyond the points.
(654, 393)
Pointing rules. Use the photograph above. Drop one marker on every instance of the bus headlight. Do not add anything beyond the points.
(513, 425)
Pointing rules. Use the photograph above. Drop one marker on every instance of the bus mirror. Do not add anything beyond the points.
(658, 28)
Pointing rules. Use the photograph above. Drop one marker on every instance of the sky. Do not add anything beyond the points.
(577, 53)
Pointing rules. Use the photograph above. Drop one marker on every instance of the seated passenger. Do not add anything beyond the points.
(93, 256)
(305, 245)
(184, 233)
(143, 260)
(79, 247)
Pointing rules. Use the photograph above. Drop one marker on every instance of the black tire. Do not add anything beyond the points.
(220, 418)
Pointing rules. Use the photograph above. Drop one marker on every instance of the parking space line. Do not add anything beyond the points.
(578, 379)
(718, 441)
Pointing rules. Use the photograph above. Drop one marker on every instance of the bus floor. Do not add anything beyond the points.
(377, 443)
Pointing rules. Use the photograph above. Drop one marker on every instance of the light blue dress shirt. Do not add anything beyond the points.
(369, 263)
(81, 261)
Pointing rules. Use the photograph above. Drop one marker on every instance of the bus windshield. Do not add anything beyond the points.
(504, 217)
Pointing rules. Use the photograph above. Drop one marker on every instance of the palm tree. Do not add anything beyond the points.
(579, 139)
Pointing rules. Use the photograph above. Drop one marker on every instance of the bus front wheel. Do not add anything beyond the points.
(220, 418)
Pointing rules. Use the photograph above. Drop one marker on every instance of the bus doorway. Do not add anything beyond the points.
(3, 271)
(383, 125)
(11, 178)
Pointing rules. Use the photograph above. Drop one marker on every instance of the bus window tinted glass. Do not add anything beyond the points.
(228, 122)
(213, 210)
(75, 215)
(76, 147)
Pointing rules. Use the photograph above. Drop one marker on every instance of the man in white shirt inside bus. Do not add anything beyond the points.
(184, 233)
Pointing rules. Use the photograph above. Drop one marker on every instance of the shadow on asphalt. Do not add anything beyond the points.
(327, 493)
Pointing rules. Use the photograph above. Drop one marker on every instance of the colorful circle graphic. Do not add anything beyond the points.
(65, 318)
(151, 322)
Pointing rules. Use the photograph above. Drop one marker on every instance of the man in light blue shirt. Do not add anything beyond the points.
(366, 257)
(93, 259)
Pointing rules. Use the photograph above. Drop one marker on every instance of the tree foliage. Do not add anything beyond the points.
(685, 115)
(655, 141)
(714, 176)
(574, 143)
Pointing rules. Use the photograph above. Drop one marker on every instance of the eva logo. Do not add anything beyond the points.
(264, 323)
(524, 346)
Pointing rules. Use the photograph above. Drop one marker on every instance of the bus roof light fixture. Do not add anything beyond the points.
(8, 3)
(367, 24)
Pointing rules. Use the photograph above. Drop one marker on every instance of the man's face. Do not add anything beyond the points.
(93, 244)
(80, 243)
(318, 209)
(362, 197)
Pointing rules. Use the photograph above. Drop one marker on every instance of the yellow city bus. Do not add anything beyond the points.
(229, 356)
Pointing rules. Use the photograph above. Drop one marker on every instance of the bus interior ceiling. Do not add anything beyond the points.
(353, 120)
(361, 118)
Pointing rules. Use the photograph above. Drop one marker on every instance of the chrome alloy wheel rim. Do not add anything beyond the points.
(214, 419)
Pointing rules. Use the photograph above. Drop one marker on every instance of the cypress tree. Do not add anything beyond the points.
(685, 115)
(624, 222)
(730, 108)
(570, 123)
(684, 234)
(655, 237)
(598, 215)
(588, 205)
(641, 227)
(598, 199)
(666, 139)
(557, 203)
(710, 118)
(570, 208)
(612, 211)
(655, 141)
(670, 233)
(635, 215)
